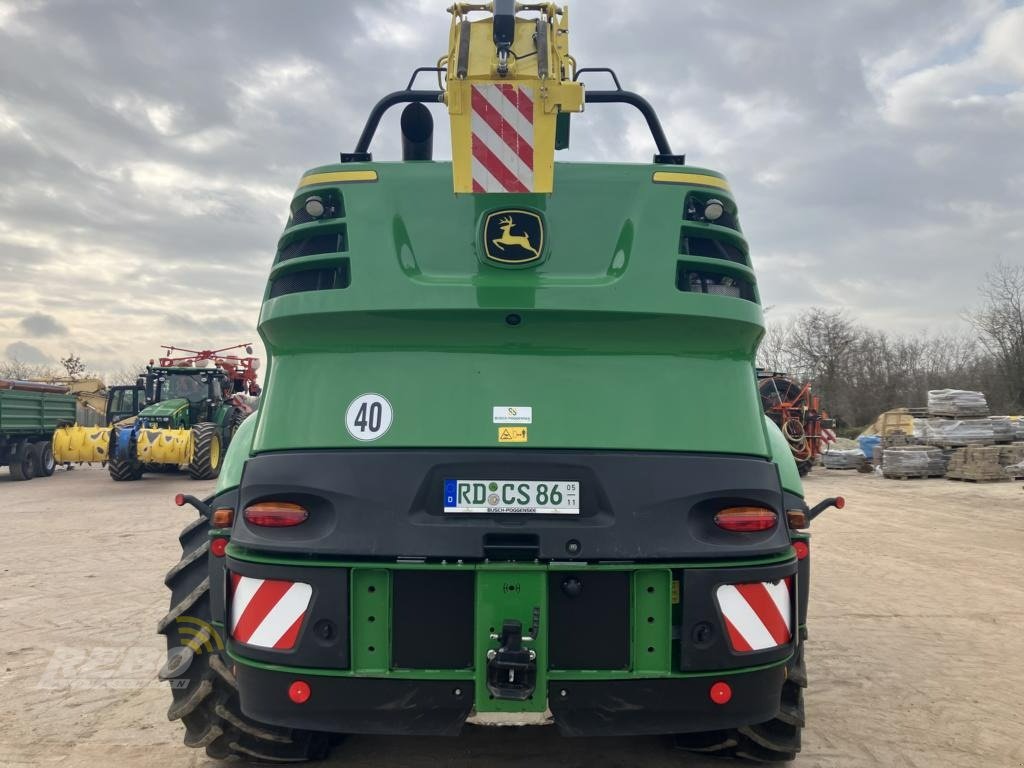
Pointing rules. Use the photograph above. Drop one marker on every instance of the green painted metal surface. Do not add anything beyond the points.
(34, 413)
(504, 593)
(234, 460)
(652, 625)
(789, 475)
(597, 338)
(370, 620)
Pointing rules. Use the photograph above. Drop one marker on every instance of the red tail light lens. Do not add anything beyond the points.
(275, 514)
(746, 519)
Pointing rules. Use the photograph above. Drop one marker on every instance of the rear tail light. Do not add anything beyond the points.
(275, 514)
(746, 519)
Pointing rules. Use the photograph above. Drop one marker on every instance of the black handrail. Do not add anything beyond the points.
(638, 101)
(617, 96)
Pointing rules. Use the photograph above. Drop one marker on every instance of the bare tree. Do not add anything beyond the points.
(15, 369)
(774, 353)
(73, 365)
(124, 376)
(1000, 324)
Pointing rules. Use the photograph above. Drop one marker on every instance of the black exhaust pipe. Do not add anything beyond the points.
(417, 133)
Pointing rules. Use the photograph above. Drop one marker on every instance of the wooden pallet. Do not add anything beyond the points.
(979, 479)
(911, 477)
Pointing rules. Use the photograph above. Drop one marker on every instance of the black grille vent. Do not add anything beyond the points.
(331, 242)
(710, 248)
(694, 281)
(312, 280)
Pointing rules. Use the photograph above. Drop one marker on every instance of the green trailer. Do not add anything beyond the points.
(29, 414)
(510, 464)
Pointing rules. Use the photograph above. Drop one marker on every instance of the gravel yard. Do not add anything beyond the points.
(914, 658)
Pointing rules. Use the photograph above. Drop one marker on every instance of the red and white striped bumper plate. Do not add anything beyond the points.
(268, 613)
(503, 138)
(758, 616)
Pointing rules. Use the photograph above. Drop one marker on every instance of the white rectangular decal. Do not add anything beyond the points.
(513, 414)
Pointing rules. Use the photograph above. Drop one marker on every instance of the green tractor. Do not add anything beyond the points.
(183, 411)
(510, 465)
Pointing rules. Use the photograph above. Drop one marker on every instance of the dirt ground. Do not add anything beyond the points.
(915, 652)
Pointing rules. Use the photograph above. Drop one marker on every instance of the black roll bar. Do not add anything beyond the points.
(617, 96)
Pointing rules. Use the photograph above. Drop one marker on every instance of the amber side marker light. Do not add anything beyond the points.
(796, 518)
(746, 519)
(222, 517)
(275, 514)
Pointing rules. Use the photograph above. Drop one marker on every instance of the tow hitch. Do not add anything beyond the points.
(511, 668)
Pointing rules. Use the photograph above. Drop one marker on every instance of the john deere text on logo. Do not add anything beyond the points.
(513, 236)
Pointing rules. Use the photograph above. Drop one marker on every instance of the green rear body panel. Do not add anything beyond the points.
(607, 350)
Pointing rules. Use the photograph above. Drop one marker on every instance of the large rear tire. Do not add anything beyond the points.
(45, 465)
(203, 688)
(774, 741)
(23, 461)
(207, 452)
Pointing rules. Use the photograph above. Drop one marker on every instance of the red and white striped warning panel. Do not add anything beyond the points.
(502, 128)
(828, 435)
(268, 613)
(757, 616)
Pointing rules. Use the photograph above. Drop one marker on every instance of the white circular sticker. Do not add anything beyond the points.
(368, 417)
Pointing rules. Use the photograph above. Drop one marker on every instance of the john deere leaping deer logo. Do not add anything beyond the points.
(513, 236)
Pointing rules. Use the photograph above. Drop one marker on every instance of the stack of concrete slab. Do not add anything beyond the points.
(957, 403)
(947, 433)
(1010, 457)
(906, 461)
(1002, 429)
(843, 459)
(980, 463)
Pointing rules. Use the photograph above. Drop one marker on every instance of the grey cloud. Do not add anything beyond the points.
(40, 324)
(23, 352)
(147, 150)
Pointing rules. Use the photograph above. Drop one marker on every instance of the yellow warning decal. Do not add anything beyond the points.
(337, 177)
(675, 591)
(512, 435)
(699, 179)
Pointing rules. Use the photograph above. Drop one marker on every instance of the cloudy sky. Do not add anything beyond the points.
(148, 149)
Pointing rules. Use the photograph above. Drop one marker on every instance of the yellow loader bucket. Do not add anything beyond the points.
(165, 446)
(80, 444)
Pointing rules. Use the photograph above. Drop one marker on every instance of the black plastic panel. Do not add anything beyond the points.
(323, 640)
(704, 644)
(589, 620)
(355, 704)
(431, 620)
(681, 705)
(633, 505)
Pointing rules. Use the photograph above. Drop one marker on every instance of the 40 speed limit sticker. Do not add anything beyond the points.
(368, 416)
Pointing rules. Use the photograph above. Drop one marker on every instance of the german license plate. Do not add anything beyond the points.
(512, 497)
